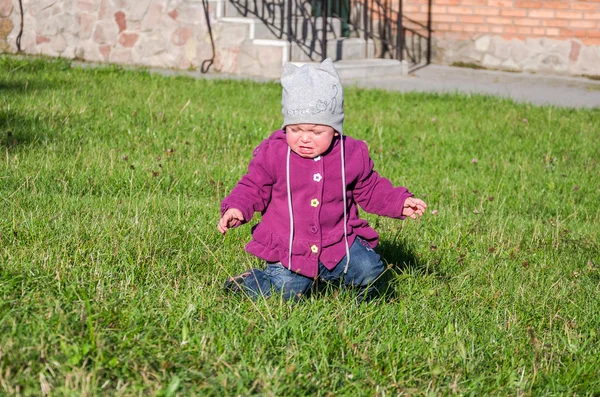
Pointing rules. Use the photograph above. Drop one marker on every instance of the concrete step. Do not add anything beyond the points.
(303, 28)
(337, 49)
(277, 29)
(357, 71)
(265, 58)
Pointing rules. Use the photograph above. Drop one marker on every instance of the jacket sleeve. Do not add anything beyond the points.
(253, 192)
(376, 194)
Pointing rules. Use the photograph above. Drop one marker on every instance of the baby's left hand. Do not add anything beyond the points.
(413, 207)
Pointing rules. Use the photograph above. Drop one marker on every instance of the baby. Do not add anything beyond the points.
(307, 180)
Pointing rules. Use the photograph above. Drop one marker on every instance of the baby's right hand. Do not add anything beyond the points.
(231, 218)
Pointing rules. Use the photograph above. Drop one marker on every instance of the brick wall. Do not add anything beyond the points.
(461, 19)
(576, 23)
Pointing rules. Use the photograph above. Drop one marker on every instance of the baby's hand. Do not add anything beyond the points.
(231, 218)
(413, 207)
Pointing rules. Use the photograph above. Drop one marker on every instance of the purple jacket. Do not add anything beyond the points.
(316, 186)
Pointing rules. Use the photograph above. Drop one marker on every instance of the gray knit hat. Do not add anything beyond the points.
(312, 94)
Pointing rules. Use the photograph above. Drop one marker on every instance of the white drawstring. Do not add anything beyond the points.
(289, 197)
(344, 198)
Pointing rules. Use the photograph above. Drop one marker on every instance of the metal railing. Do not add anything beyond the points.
(311, 23)
(395, 35)
(298, 21)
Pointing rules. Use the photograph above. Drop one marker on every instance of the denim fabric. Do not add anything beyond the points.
(363, 276)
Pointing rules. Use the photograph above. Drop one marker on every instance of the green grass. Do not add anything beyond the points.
(111, 266)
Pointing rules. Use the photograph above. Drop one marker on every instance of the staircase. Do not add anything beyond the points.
(253, 40)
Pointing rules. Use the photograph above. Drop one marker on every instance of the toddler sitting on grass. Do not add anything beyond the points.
(307, 180)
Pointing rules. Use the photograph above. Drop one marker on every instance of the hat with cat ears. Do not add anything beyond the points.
(312, 94)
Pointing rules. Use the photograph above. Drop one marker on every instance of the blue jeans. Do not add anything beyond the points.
(364, 276)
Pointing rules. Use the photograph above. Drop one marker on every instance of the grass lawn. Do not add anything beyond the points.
(111, 265)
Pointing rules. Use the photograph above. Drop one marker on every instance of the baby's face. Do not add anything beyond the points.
(309, 140)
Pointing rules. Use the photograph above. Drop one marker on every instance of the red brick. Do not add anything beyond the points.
(556, 5)
(538, 31)
(500, 3)
(415, 8)
(460, 10)
(447, 2)
(591, 15)
(510, 29)
(513, 12)
(594, 33)
(584, 6)
(527, 22)
(471, 19)
(483, 29)
(569, 15)
(497, 29)
(474, 2)
(591, 41)
(442, 26)
(470, 28)
(573, 33)
(561, 23)
(528, 4)
(499, 20)
(486, 11)
(541, 13)
(552, 31)
(418, 16)
(436, 9)
(583, 24)
(457, 27)
(174, 14)
(445, 18)
(523, 30)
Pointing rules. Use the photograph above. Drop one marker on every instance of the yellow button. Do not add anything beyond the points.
(314, 249)
(314, 203)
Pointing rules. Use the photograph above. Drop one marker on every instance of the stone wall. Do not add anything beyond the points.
(555, 36)
(162, 33)
(6, 24)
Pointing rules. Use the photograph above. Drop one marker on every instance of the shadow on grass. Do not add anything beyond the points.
(15, 87)
(10, 86)
(402, 260)
(19, 131)
(401, 257)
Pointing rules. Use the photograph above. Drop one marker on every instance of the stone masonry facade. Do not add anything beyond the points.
(548, 36)
(156, 33)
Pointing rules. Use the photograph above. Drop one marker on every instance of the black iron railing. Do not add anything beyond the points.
(310, 24)
(298, 21)
(395, 35)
